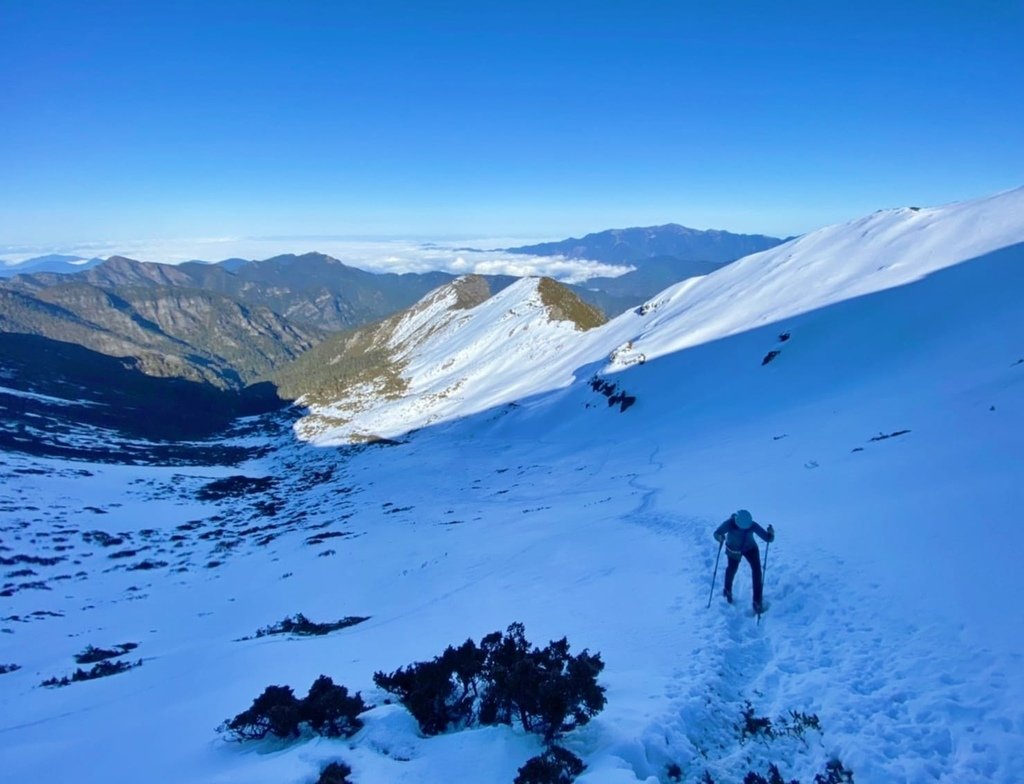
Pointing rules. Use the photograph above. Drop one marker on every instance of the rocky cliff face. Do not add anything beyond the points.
(171, 331)
(229, 325)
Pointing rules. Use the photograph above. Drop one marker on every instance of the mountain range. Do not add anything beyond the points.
(660, 256)
(54, 262)
(634, 245)
(237, 322)
(226, 325)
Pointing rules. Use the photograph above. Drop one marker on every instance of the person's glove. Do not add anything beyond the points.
(719, 538)
(771, 533)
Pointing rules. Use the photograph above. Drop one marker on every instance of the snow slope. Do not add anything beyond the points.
(881, 251)
(882, 442)
(506, 348)
(456, 362)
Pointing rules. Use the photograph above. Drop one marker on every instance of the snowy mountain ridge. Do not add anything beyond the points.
(457, 356)
(886, 249)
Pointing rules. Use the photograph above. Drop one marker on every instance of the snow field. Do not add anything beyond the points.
(882, 442)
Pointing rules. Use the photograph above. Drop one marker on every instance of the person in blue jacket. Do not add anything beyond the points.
(738, 535)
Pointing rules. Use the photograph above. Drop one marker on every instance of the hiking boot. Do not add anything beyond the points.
(728, 595)
(758, 608)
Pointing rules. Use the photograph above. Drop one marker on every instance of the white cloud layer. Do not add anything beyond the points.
(371, 255)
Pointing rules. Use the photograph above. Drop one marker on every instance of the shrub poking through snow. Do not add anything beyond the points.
(301, 625)
(799, 722)
(102, 538)
(328, 709)
(6, 668)
(554, 766)
(835, 773)
(335, 773)
(274, 712)
(501, 681)
(101, 670)
(612, 392)
(234, 487)
(442, 693)
(754, 726)
(774, 777)
(146, 565)
(92, 654)
(795, 725)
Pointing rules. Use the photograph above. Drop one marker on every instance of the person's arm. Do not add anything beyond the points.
(722, 529)
(768, 536)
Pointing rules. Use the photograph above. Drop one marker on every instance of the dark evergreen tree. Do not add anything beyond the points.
(335, 773)
(501, 681)
(330, 710)
(554, 766)
(276, 712)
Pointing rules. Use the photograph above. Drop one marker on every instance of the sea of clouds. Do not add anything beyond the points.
(374, 255)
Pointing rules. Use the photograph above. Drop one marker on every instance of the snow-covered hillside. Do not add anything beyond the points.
(508, 348)
(456, 360)
(872, 415)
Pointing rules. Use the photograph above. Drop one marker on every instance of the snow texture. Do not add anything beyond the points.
(882, 441)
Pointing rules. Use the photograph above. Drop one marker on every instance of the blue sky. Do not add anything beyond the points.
(534, 119)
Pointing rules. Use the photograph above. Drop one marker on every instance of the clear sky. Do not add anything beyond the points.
(533, 119)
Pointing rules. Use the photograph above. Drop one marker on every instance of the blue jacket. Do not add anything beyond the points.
(740, 540)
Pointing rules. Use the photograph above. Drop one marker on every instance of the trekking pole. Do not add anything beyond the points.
(764, 572)
(714, 576)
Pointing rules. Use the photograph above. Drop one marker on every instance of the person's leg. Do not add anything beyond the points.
(753, 556)
(730, 573)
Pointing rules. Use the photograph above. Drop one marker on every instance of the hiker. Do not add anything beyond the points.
(738, 534)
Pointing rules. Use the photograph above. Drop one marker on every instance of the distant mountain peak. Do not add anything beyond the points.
(51, 257)
(311, 257)
(54, 262)
(634, 245)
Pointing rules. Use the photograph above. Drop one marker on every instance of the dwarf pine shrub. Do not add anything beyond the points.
(555, 766)
(103, 669)
(835, 773)
(275, 712)
(335, 773)
(328, 709)
(774, 777)
(501, 681)
(91, 654)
